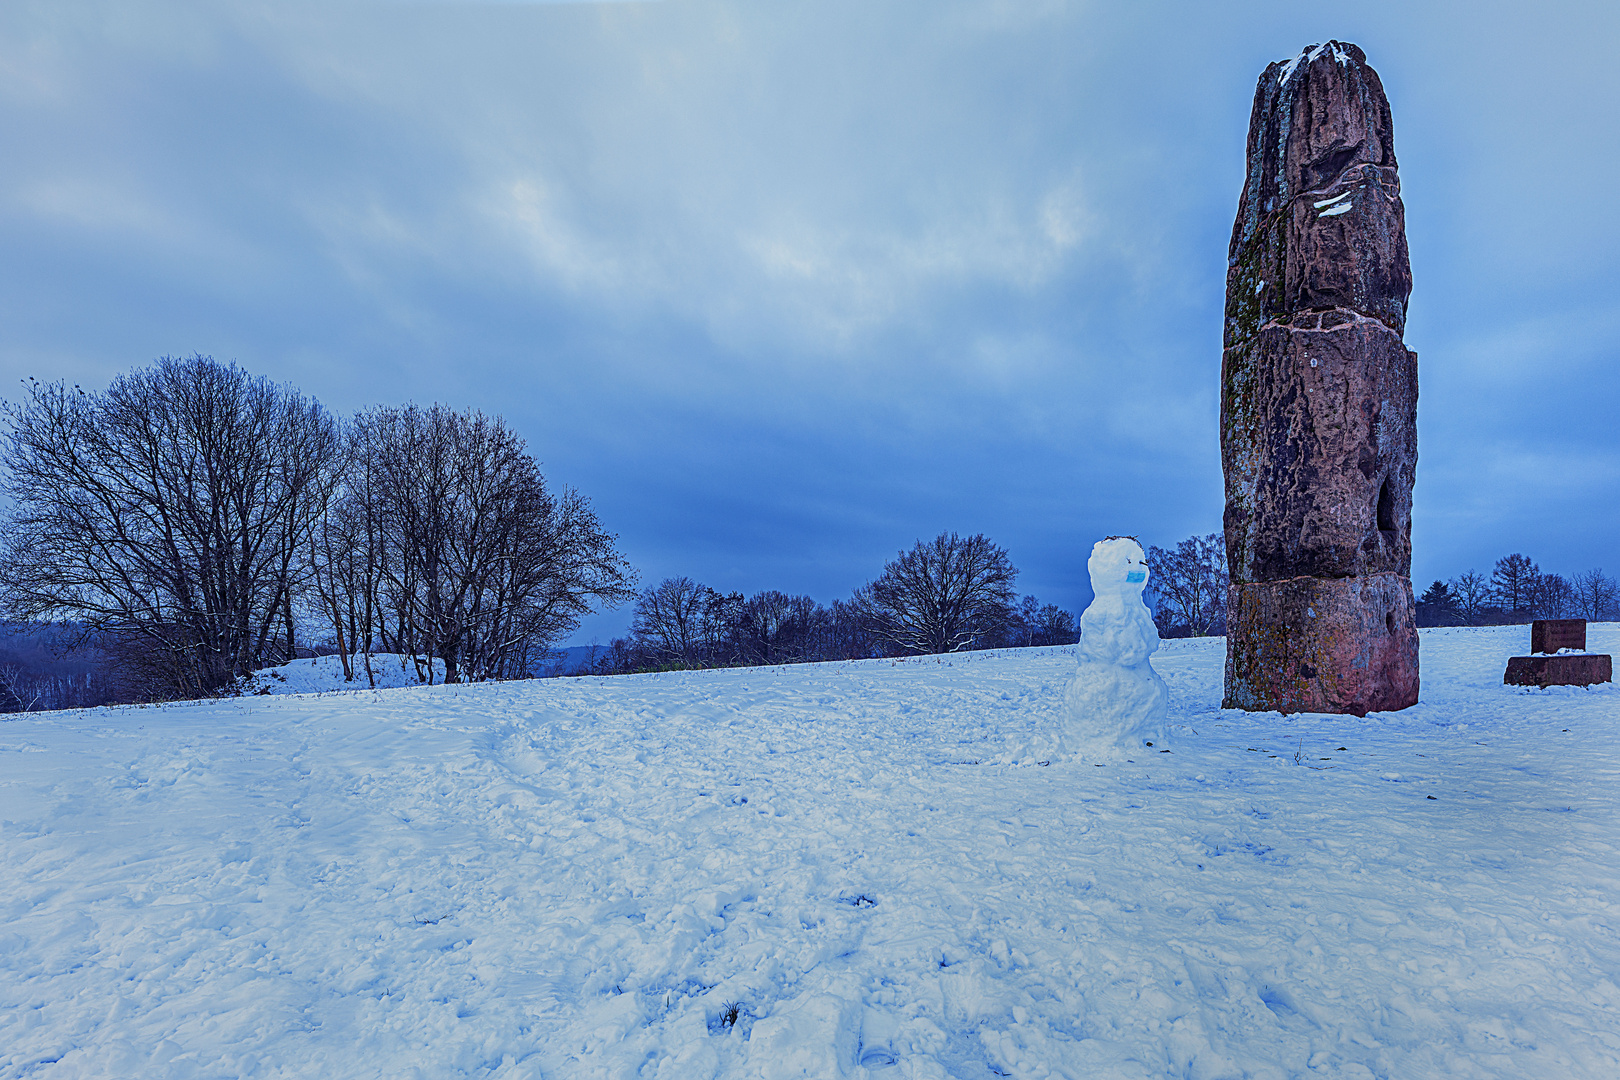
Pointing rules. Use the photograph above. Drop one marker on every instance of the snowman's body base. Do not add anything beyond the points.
(1112, 711)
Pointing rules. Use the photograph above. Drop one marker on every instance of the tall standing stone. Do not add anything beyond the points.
(1319, 401)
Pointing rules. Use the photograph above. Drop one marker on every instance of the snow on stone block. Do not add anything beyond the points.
(1116, 704)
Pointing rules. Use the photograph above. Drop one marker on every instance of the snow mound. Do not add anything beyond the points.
(324, 674)
(817, 871)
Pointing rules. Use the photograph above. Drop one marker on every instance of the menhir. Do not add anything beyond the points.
(1319, 401)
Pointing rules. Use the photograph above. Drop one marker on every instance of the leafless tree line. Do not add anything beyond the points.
(945, 595)
(40, 671)
(681, 623)
(1188, 585)
(25, 689)
(1517, 591)
(196, 522)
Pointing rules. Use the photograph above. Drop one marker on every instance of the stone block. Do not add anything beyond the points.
(1314, 118)
(1571, 669)
(1551, 635)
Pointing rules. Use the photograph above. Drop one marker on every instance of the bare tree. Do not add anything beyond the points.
(775, 628)
(1551, 596)
(1595, 595)
(672, 620)
(1189, 583)
(846, 634)
(723, 631)
(167, 516)
(1055, 626)
(478, 564)
(19, 689)
(943, 595)
(345, 559)
(1471, 592)
(766, 628)
(1513, 583)
(1025, 622)
(1034, 623)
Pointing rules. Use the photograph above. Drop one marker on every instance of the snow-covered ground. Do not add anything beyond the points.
(816, 871)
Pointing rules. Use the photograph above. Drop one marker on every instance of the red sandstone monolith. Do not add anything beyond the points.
(1319, 401)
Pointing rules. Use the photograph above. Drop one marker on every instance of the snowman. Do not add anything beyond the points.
(1116, 704)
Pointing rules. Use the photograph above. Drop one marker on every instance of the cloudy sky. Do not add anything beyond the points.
(784, 287)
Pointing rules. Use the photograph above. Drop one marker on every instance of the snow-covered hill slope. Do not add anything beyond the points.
(816, 871)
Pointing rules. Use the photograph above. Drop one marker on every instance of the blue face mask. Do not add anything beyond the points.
(1133, 576)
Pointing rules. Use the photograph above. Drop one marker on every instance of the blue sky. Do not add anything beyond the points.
(786, 287)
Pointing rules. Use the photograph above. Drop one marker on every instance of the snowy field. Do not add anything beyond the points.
(816, 871)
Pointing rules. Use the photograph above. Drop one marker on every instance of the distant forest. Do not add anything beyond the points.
(1189, 592)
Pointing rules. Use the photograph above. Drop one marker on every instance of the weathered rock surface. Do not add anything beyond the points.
(1320, 451)
(1318, 644)
(1319, 400)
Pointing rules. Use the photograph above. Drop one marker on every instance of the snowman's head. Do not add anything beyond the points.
(1118, 566)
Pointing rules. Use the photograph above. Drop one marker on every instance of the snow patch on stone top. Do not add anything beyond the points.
(1308, 54)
